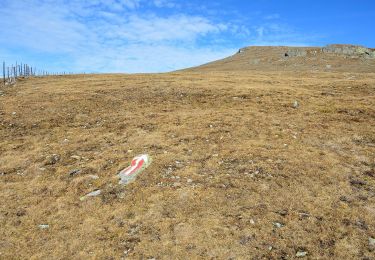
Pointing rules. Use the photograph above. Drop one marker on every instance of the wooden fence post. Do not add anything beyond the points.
(4, 72)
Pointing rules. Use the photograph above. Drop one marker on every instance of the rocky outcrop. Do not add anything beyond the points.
(296, 52)
(349, 50)
(345, 50)
(330, 58)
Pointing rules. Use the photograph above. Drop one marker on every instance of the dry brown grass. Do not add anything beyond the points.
(253, 161)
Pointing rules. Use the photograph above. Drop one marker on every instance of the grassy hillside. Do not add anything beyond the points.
(238, 170)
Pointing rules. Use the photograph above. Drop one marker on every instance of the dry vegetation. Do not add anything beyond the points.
(237, 172)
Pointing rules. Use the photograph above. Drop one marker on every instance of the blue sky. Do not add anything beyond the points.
(163, 35)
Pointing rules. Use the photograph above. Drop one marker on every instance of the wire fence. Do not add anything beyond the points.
(11, 73)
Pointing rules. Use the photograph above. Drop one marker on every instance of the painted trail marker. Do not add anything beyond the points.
(138, 165)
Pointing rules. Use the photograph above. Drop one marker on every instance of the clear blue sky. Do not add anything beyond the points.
(164, 35)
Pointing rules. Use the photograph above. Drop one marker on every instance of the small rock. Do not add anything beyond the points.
(91, 194)
(76, 157)
(278, 225)
(14, 113)
(358, 183)
(344, 199)
(44, 226)
(176, 184)
(283, 212)
(189, 180)
(121, 195)
(75, 172)
(252, 222)
(301, 254)
(179, 166)
(295, 104)
(371, 242)
(52, 159)
(303, 215)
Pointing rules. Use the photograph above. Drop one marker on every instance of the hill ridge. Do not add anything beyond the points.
(332, 57)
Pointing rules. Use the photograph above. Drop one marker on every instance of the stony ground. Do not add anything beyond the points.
(238, 172)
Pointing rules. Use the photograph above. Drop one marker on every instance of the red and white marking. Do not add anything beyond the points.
(137, 163)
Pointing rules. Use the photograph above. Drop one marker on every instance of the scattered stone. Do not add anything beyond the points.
(52, 159)
(14, 113)
(94, 177)
(189, 180)
(252, 222)
(176, 184)
(283, 212)
(21, 213)
(303, 215)
(295, 104)
(121, 195)
(301, 254)
(91, 194)
(75, 172)
(371, 242)
(278, 225)
(76, 157)
(44, 226)
(357, 183)
(179, 165)
(344, 199)
(245, 239)
(361, 224)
